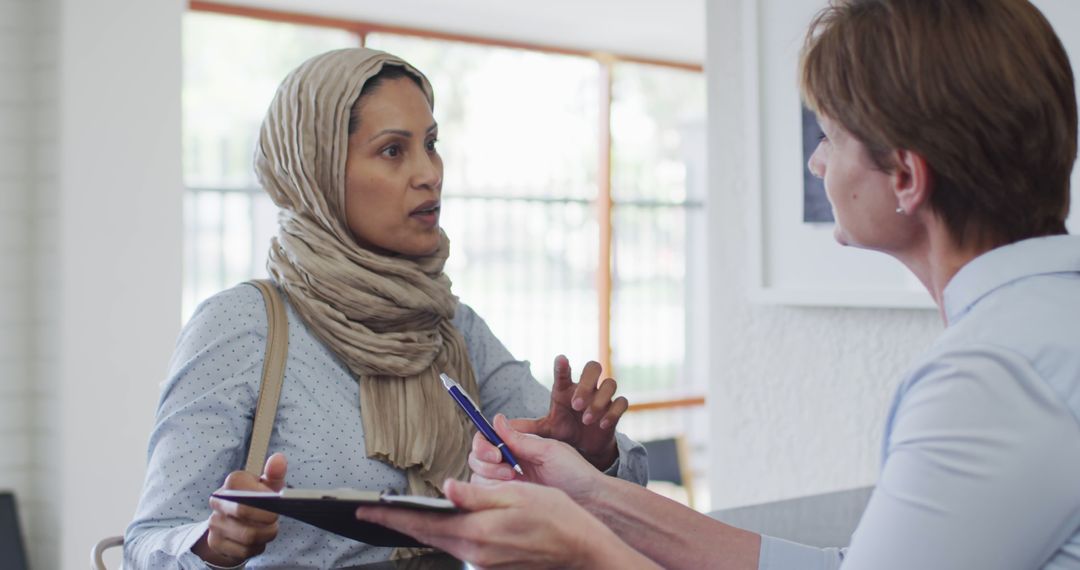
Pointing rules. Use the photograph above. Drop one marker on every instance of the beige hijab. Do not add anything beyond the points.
(387, 318)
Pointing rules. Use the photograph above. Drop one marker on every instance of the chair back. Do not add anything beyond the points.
(12, 551)
(665, 460)
(97, 553)
(669, 462)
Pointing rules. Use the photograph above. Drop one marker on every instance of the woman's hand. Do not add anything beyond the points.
(545, 461)
(238, 532)
(513, 525)
(582, 414)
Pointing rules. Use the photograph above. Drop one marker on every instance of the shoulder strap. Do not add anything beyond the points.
(277, 349)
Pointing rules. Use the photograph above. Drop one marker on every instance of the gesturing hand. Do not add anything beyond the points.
(582, 414)
(238, 532)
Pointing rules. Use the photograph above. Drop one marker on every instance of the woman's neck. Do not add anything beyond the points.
(936, 259)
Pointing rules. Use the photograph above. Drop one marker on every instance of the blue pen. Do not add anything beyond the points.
(479, 420)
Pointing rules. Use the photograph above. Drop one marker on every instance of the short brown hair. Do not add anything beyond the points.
(981, 89)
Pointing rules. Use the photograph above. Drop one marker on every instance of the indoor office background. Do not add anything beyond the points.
(126, 196)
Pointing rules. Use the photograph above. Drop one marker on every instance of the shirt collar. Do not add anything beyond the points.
(1006, 264)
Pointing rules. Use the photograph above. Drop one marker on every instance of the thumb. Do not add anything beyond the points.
(274, 472)
(473, 497)
(524, 445)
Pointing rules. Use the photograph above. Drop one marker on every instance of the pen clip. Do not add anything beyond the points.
(449, 383)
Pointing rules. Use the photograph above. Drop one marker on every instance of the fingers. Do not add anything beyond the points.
(491, 532)
(481, 480)
(583, 394)
(242, 513)
(274, 472)
(486, 460)
(484, 450)
(614, 413)
(472, 497)
(433, 529)
(563, 380)
(600, 401)
(244, 481)
(232, 551)
(523, 445)
(237, 532)
(490, 471)
(236, 538)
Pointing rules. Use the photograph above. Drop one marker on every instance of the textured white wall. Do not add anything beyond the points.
(118, 232)
(798, 395)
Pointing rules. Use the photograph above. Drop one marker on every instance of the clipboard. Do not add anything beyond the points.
(334, 510)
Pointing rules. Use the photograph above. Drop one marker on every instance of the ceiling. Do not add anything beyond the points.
(656, 29)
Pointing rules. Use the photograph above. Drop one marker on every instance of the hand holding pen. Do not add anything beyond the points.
(545, 461)
(482, 425)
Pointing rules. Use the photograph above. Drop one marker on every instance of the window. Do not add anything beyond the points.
(232, 66)
(657, 131)
(519, 139)
(573, 194)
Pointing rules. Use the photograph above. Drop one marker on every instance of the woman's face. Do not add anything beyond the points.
(393, 174)
(863, 202)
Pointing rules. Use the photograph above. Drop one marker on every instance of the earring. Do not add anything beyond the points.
(900, 210)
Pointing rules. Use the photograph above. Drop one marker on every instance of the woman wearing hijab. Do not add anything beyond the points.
(347, 151)
(950, 137)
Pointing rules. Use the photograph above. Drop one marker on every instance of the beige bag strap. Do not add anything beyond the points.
(277, 350)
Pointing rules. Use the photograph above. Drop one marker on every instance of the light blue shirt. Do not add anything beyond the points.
(981, 455)
(204, 421)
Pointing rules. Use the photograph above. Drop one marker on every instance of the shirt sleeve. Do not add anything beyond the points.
(201, 428)
(507, 386)
(981, 463)
(780, 554)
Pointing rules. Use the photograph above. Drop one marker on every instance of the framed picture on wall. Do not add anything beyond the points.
(816, 208)
(796, 260)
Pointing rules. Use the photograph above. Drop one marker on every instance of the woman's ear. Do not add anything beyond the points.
(912, 180)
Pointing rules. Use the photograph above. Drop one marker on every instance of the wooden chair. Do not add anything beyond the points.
(97, 560)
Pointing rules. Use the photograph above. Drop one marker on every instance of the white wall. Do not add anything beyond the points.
(799, 395)
(90, 212)
(1064, 15)
(119, 232)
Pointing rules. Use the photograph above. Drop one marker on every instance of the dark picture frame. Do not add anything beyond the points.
(816, 207)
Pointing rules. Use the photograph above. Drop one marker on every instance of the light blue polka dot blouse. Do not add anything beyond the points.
(204, 422)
